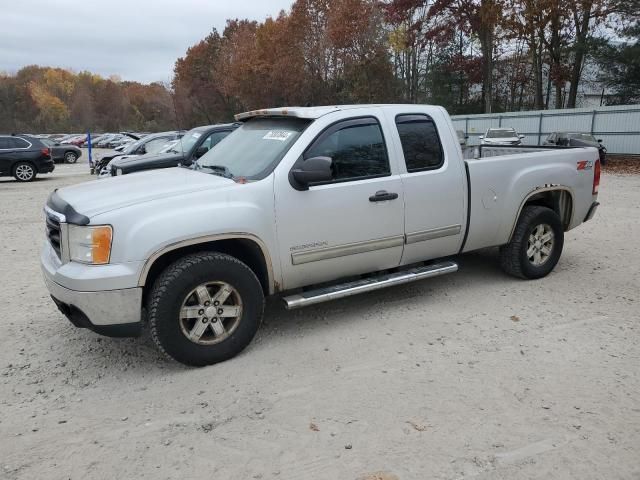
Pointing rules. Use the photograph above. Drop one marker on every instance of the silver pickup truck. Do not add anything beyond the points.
(310, 204)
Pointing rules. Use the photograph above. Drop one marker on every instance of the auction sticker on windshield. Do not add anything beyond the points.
(280, 135)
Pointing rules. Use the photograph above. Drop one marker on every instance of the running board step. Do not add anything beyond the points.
(334, 292)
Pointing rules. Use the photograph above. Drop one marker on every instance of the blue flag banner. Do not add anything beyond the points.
(89, 146)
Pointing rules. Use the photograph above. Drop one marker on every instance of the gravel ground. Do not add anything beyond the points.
(473, 375)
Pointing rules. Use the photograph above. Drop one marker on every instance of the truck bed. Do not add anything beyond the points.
(501, 180)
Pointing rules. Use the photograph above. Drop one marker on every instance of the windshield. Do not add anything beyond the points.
(132, 147)
(501, 133)
(187, 142)
(254, 149)
(583, 136)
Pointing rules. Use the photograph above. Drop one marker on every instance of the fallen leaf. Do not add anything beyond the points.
(417, 426)
(515, 318)
(314, 427)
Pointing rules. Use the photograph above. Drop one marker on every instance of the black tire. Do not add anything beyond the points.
(70, 157)
(174, 285)
(513, 256)
(24, 171)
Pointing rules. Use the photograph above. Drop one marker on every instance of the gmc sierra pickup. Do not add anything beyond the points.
(308, 203)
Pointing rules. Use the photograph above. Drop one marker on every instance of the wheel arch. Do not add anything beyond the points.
(245, 247)
(558, 198)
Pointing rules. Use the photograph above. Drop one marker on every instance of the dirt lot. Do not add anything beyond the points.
(472, 375)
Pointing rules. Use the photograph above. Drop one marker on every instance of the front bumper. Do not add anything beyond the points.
(105, 299)
(114, 313)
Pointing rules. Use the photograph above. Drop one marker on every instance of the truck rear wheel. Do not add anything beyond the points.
(205, 308)
(536, 245)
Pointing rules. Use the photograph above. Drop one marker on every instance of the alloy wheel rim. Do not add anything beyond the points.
(540, 244)
(210, 313)
(70, 157)
(24, 172)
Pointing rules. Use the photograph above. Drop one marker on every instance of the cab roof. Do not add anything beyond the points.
(311, 113)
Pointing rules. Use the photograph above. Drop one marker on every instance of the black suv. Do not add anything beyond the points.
(193, 145)
(23, 157)
(148, 144)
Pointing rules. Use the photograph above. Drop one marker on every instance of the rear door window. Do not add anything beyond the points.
(5, 143)
(420, 142)
(19, 143)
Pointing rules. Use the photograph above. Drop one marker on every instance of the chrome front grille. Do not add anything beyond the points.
(53, 233)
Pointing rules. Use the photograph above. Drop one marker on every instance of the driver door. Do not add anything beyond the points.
(346, 226)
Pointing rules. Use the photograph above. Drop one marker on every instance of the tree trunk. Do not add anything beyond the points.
(486, 46)
(582, 34)
(537, 71)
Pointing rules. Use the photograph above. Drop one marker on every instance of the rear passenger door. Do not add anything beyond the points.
(434, 188)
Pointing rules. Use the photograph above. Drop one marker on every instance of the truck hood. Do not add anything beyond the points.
(93, 198)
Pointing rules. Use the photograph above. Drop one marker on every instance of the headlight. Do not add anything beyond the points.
(90, 245)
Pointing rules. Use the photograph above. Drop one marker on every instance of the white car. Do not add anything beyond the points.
(501, 136)
(310, 204)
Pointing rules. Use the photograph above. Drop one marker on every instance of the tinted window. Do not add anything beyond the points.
(420, 142)
(5, 143)
(357, 149)
(16, 142)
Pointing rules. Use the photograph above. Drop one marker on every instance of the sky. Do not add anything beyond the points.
(134, 39)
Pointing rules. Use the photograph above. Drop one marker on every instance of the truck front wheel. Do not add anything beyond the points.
(536, 245)
(205, 308)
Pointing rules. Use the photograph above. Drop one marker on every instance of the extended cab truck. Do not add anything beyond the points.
(354, 197)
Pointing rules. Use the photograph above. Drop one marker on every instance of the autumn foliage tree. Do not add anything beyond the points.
(41, 99)
(471, 56)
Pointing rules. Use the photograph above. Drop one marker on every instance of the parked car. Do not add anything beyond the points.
(123, 138)
(149, 144)
(67, 138)
(63, 153)
(105, 139)
(79, 140)
(23, 157)
(192, 145)
(95, 139)
(501, 136)
(292, 203)
(575, 139)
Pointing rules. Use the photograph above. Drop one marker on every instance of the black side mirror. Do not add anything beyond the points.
(312, 170)
(599, 140)
(200, 151)
(142, 150)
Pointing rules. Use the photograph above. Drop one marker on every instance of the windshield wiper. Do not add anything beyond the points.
(219, 170)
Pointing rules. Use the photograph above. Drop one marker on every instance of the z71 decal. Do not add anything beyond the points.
(585, 165)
